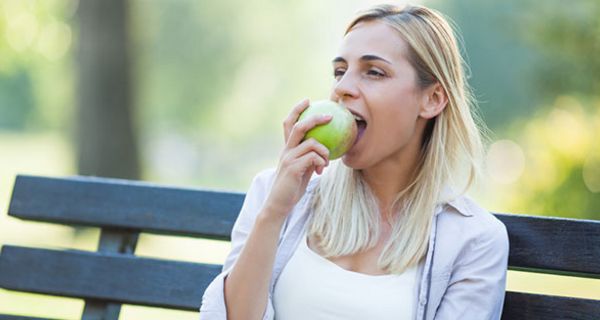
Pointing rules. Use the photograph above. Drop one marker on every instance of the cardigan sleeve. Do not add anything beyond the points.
(477, 285)
(213, 300)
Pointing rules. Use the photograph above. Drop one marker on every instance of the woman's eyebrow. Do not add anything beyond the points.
(367, 57)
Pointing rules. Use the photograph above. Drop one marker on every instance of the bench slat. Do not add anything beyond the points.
(553, 245)
(525, 306)
(538, 244)
(106, 276)
(10, 317)
(180, 285)
(116, 203)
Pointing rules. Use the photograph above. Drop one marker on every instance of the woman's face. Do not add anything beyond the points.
(374, 79)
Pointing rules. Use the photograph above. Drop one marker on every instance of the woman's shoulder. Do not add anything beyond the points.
(265, 176)
(472, 219)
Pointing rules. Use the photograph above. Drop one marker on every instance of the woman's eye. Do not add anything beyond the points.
(338, 73)
(373, 72)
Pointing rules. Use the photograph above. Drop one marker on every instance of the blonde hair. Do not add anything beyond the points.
(346, 218)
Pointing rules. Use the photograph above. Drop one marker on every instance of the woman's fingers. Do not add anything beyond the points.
(307, 146)
(310, 146)
(298, 160)
(292, 117)
(300, 128)
(310, 161)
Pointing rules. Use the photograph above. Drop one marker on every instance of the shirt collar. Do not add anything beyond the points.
(455, 200)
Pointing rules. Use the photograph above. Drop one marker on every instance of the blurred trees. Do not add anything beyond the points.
(561, 169)
(568, 37)
(35, 69)
(538, 62)
(37, 86)
(16, 99)
(561, 140)
(213, 82)
(502, 63)
(187, 53)
(106, 141)
(216, 82)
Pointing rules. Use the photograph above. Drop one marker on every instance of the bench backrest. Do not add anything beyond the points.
(123, 209)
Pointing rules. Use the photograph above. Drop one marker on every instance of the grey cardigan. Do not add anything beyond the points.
(463, 277)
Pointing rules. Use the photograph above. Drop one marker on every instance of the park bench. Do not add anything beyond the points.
(114, 275)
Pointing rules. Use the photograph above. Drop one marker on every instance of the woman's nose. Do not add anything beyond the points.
(344, 88)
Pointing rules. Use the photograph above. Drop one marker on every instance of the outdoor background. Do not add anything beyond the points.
(198, 91)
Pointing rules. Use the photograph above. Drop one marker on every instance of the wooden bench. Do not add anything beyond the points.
(114, 275)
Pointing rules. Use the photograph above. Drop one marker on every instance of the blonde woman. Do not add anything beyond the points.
(386, 232)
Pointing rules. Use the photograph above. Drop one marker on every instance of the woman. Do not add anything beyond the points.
(383, 233)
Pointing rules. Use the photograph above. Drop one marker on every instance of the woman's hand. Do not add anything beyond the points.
(298, 161)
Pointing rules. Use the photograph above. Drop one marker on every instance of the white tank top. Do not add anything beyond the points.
(312, 287)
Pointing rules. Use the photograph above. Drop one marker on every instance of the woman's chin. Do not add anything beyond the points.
(351, 162)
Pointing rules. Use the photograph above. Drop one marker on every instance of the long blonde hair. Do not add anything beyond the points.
(346, 218)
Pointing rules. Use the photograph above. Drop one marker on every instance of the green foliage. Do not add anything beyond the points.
(214, 80)
(185, 55)
(502, 63)
(16, 100)
(561, 176)
(35, 73)
(568, 35)
(536, 71)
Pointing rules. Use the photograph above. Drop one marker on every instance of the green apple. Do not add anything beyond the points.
(337, 135)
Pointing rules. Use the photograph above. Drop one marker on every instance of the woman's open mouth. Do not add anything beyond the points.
(361, 125)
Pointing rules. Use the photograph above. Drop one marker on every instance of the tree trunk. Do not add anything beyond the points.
(106, 144)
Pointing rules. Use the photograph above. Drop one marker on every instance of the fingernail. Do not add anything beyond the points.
(326, 116)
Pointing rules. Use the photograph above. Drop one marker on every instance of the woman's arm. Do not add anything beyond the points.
(477, 285)
(243, 292)
(213, 300)
(247, 286)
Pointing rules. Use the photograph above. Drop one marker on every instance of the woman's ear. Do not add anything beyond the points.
(434, 101)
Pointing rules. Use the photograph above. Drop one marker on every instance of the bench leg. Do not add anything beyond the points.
(100, 310)
(111, 241)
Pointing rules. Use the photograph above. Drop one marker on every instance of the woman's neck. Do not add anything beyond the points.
(390, 177)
